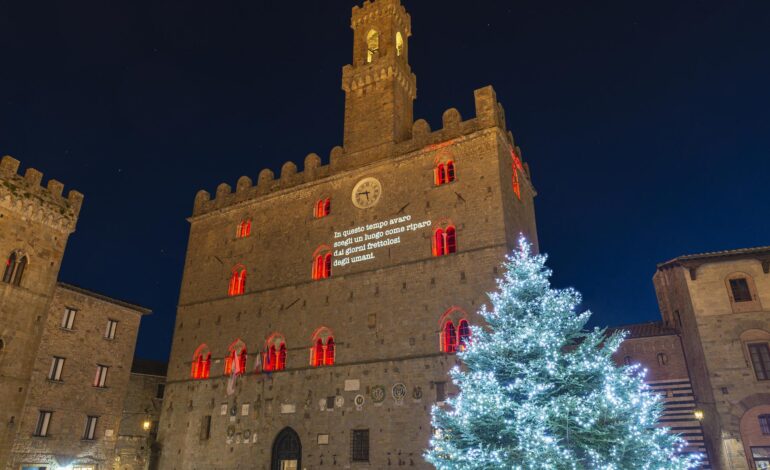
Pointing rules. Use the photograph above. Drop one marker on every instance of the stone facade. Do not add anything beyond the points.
(720, 305)
(48, 363)
(141, 413)
(35, 223)
(388, 295)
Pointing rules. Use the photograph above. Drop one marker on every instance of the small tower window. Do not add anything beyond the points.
(464, 335)
(372, 45)
(322, 266)
(399, 44)
(14, 268)
(444, 173)
(244, 229)
(449, 339)
(516, 166)
(445, 241)
(627, 360)
(740, 290)
(323, 208)
(662, 359)
(237, 281)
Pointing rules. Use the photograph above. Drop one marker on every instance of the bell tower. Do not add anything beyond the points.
(379, 85)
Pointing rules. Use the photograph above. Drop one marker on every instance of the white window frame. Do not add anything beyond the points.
(68, 319)
(112, 326)
(100, 381)
(57, 365)
(89, 434)
(43, 423)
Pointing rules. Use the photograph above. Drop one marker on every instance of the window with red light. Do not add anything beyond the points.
(445, 241)
(444, 173)
(322, 266)
(463, 335)
(237, 281)
(274, 357)
(322, 352)
(235, 362)
(516, 168)
(455, 333)
(323, 208)
(14, 268)
(244, 229)
(201, 363)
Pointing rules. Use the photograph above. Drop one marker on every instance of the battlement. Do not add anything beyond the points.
(489, 114)
(372, 9)
(25, 194)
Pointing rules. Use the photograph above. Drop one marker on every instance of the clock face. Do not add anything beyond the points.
(366, 193)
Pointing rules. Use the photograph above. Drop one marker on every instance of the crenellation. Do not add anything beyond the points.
(489, 113)
(26, 195)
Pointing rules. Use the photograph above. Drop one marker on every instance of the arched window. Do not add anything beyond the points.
(464, 335)
(438, 243)
(14, 268)
(450, 338)
(399, 44)
(516, 167)
(201, 363)
(323, 208)
(318, 354)
(445, 173)
(322, 352)
(372, 45)
(662, 359)
(322, 266)
(445, 241)
(237, 281)
(274, 357)
(244, 228)
(236, 358)
(329, 358)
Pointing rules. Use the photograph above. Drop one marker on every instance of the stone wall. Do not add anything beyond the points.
(75, 397)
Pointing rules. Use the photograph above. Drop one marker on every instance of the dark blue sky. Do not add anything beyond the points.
(646, 124)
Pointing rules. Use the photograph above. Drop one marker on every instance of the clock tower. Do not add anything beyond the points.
(379, 85)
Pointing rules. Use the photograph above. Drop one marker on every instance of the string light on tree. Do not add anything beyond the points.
(538, 391)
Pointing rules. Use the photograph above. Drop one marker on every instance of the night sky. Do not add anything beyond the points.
(646, 124)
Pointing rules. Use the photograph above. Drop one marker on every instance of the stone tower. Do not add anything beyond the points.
(379, 85)
(320, 310)
(35, 223)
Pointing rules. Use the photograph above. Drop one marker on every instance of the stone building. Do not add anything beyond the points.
(719, 303)
(65, 352)
(141, 413)
(319, 311)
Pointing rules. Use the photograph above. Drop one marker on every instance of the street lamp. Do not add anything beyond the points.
(146, 425)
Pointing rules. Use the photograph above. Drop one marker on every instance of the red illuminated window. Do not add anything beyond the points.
(464, 335)
(449, 339)
(444, 173)
(516, 167)
(236, 358)
(244, 229)
(322, 266)
(323, 208)
(201, 364)
(322, 352)
(445, 241)
(14, 268)
(237, 281)
(274, 357)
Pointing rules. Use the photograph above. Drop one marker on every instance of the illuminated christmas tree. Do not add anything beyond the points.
(538, 391)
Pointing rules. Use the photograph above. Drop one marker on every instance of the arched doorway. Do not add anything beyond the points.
(287, 451)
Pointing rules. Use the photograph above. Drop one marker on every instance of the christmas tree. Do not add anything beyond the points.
(538, 391)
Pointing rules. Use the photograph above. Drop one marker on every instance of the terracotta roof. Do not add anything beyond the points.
(644, 330)
(760, 252)
(149, 367)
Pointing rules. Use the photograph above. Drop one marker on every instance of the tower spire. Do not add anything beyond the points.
(379, 85)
